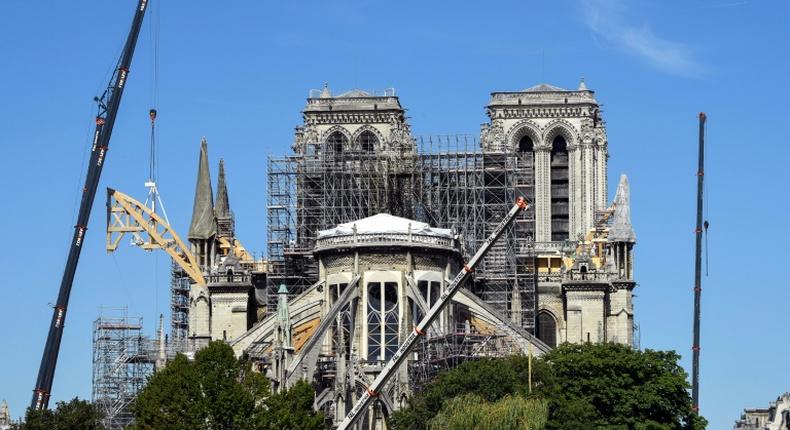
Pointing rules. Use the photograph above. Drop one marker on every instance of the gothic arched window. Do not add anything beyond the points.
(525, 185)
(367, 141)
(547, 329)
(336, 142)
(525, 144)
(382, 320)
(560, 193)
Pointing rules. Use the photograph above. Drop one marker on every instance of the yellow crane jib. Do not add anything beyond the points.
(151, 231)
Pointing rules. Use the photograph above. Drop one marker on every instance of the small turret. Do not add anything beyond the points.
(5, 416)
(621, 229)
(325, 93)
(621, 236)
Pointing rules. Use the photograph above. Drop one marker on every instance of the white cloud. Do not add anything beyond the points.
(607, 19)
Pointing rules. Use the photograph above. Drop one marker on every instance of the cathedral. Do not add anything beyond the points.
(368, 223)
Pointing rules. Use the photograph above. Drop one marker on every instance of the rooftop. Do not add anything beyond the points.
(385, 230)
(544, 94)
(385, 223)
(352, 100)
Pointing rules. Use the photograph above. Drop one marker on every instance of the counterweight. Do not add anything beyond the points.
(403, 351)
(105, 120)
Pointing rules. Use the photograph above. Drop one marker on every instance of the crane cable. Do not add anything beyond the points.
(153, 193)
(706, 207)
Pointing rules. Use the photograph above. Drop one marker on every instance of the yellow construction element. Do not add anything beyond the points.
(482, 327)
(233, 246)
(151, 231)
(304, 331)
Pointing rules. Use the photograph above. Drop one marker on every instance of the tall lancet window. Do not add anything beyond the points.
(336, 143)
(547, 329)
(382, 320)
(560, 195)
(525, 185)
(367, 141)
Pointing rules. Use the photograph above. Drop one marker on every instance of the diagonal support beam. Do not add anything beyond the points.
(351, 292)
(419, 300)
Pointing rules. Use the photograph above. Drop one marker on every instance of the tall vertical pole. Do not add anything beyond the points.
(698, 267)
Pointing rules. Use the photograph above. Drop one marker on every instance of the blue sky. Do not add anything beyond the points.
(238, 73)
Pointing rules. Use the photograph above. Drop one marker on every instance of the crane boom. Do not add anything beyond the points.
(105, 120)
(403, 350)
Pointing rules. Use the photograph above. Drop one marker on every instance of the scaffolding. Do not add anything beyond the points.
(179, 302)
(446, 181)
(444, 352)
(123, 359)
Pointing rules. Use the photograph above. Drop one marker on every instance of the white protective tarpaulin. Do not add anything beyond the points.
(385, 223)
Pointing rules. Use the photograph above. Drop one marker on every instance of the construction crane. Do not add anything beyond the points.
(698, 266)
(400, 355)
(105, 120)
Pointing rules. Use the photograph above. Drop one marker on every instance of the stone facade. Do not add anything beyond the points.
(378, 277)
(224, 306)
(543, 113)
(574, 252)
(775, 417)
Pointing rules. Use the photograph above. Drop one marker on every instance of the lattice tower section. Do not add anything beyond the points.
(123, 359)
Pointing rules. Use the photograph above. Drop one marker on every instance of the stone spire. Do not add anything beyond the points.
(221, 204)
(203, 224)
(621, 229)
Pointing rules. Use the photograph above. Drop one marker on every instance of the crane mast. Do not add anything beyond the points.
(105, 120)
(400, 355)
(698, 267)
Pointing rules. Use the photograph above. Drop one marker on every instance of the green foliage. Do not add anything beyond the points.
(73, 415)
(470, 411)
(217, 391)
(488, 378)
(291, 409)
(172, 399)
(612, 386)
(599, 386)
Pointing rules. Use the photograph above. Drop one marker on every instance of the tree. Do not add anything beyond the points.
(491, 379)
(470, 412)
(172, 399)
(615, 387)
(73, 415)
(218, 391)
(291, 409)
(601, 386)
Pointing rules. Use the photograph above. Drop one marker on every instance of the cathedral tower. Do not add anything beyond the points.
(562, 139)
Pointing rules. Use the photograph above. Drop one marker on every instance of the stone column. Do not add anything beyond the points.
(542, 194)
(588, 184)
(575, 188)
(575, 164)
(601, 183)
